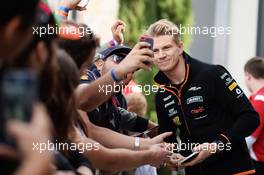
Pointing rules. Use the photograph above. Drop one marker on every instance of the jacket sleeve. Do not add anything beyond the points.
(130, 121)
(230, 96)
(165, 123)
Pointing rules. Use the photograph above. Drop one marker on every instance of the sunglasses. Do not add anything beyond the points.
(117, 58)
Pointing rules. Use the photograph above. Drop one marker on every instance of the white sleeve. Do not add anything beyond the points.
(250, 141)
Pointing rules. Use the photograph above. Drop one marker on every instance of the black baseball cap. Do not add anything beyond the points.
(121, 51)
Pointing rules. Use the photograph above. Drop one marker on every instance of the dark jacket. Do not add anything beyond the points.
(113, 114)
(208, 106)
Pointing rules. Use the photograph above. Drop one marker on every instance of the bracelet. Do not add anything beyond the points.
(137, 144)
(65, 9)
(114, 76)
(61, 13)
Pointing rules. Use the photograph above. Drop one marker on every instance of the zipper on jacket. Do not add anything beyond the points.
(179, 98)
(185, 121)
(180, 104)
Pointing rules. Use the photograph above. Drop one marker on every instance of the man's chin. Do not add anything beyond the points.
(164, 69)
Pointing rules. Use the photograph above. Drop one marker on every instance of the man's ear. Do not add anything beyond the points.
(99, 64)
(248, 76)
(180, 46)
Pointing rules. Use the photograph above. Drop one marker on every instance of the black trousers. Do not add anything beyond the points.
(259, 166)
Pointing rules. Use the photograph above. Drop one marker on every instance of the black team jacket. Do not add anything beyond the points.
(208, 106)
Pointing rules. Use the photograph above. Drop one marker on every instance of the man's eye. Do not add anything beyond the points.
(166, 48)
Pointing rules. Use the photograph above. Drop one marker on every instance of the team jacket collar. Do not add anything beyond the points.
(162, 79)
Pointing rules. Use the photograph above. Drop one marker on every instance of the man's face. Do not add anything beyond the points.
(166, 52)
(110, 63)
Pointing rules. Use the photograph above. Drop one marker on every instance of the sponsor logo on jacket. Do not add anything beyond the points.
(194, 99)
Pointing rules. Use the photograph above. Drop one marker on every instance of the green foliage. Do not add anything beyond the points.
(138, 15)
(178, 11)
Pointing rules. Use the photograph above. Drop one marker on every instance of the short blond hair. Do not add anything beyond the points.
(164, 27)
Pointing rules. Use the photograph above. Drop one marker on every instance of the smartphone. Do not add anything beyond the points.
(83, 3)
(150, 133)
(189, 158)
(148, 39)
(17, 94)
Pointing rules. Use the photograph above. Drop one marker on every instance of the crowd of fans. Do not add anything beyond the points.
(63, 110)
(67, 69)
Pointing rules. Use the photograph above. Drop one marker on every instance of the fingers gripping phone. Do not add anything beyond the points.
(189, 158)
(83, 3)
(18, 93)
(148, 39)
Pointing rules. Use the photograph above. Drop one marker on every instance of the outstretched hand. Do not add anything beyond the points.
(160, 138)
(118, 28)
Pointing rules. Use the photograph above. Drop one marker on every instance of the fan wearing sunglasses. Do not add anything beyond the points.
(113, 114)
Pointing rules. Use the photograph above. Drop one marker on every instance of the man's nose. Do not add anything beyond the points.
(160, 54)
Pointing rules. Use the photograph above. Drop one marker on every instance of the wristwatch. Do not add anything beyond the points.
(137, 144)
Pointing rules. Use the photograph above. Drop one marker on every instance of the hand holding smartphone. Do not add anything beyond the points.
(148, 39)
(189, 158)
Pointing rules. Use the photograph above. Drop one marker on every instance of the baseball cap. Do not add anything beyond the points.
(121, 51)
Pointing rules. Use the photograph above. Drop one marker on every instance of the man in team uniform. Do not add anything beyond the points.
(205, 104)
(254, 78)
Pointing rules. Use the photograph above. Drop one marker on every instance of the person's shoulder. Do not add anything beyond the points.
(216, 71)
(88, 77)
(261, 91)
(259, 96)
(201, 67)
(257, 101)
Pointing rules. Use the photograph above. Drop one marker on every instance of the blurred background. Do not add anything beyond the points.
(240, 25)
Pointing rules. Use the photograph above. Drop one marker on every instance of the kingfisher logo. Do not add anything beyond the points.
(200, 109)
